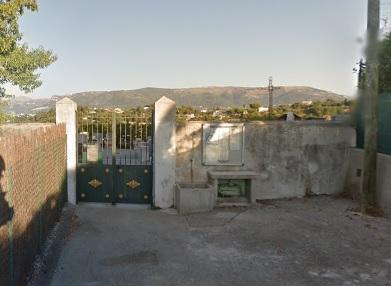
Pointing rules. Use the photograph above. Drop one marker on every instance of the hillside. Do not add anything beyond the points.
(204, 96)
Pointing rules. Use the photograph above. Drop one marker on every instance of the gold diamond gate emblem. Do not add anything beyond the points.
(133, 184)
(94, 183)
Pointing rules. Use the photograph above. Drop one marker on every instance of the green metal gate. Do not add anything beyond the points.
(114, 157)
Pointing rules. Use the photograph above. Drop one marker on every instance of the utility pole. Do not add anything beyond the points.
(361, 75)
(368, 190)
(270, 89)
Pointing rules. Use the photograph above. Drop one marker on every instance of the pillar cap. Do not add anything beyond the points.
(67, 101)
(164, 99)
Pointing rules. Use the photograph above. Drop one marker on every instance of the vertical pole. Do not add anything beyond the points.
(41, 199)
(113, 154)
(107, 139)
(10, 224)
(113, 137)
(126, 122)
(368, 192)
(120, 136)
(102, 139)
(97, 129)
(270, 88)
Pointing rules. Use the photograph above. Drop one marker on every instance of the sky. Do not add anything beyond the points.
(118, 44)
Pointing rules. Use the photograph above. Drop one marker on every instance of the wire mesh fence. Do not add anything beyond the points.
(32, 194)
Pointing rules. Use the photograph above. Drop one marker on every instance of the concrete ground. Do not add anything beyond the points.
(299, 242)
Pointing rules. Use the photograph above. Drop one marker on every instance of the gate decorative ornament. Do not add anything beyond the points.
(133, 184)
(94, 183)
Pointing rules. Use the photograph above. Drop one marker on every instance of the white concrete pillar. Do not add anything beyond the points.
(164, 152)
(66, 113)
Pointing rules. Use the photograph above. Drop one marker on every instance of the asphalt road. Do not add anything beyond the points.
(299, 242)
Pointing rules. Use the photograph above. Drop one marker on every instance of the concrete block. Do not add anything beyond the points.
(248, 176)
(194, 198)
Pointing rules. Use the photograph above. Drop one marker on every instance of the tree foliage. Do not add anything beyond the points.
(18, 62)
(316, 110)
(385, 65)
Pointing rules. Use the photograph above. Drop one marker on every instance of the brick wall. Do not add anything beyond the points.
(32, 194)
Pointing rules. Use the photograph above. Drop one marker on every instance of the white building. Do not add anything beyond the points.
(263, 109)
(307, 102)
(189, 116)
(216, 113)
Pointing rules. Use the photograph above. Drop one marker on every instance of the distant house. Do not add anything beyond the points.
(262, 109)
(307, 102)
(118, 110)
(217, 113)
(189, 116)
(285, 117)
(204, 110)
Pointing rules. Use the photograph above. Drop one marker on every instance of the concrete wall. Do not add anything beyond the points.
(292, 158)
(353, 179)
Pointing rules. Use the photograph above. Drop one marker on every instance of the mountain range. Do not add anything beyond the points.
(202, 96)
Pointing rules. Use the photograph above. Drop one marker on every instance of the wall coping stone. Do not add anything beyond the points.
(276, 122)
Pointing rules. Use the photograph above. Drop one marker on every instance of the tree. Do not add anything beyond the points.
(18, 62)
(385, 65)
(255, 105)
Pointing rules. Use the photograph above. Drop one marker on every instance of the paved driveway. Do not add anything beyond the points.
(298, 242)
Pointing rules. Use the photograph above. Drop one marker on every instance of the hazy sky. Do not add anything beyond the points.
(118, 44)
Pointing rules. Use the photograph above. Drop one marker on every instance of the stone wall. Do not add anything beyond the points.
(292, 158)
(354, 175)
(32, 194)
